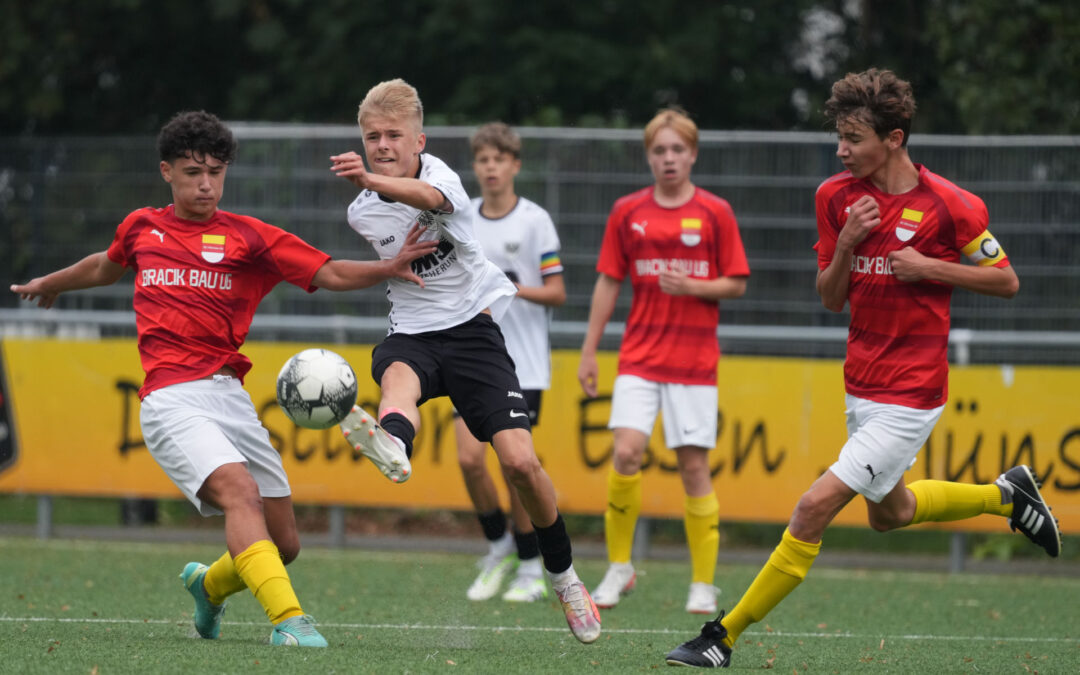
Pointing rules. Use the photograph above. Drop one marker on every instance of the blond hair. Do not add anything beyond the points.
(393, 98)
(675, 119)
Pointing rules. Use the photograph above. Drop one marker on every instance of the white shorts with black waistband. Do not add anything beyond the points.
(883, 442)
(192, 428)
(689, 410)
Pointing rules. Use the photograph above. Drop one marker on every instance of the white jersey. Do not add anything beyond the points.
(459, 281)
(524, 244)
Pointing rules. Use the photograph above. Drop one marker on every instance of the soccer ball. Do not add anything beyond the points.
(316, 388)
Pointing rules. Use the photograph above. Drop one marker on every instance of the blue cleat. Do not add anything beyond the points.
(207, 615)
(298, 631)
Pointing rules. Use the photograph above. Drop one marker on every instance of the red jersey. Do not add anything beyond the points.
(897, 349)
(197, 285)
(671, 338)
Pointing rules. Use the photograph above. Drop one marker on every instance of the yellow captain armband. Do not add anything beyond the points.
(984, 250)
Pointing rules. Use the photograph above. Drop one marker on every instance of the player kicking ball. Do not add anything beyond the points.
(891, 234)
(443, 340)
(199, 275)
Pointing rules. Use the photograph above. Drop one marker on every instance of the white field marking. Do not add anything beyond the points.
(545, 629)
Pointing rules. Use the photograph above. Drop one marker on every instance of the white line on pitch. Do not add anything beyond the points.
(547, 629)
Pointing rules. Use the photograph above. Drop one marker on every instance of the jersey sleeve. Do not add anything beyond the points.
(548, 245)
(731, 256)
(973, 237)
(459, 218)
(117, 251)
(827, 227)
(613, 255)
(295, 260)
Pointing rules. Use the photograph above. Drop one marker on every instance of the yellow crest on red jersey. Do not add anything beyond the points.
(909, 222)
(213, 247)
(691, 231)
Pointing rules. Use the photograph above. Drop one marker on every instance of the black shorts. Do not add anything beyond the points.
(468, 363)
(533, 399)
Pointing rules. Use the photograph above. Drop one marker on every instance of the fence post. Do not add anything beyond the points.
(337, 526)
(44, 517)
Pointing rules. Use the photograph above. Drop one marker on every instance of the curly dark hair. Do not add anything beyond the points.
(877, 98)
(198, 135)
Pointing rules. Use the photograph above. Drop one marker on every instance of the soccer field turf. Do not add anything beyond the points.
(108, 607)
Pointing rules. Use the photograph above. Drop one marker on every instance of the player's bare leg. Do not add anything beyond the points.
(500, 559)
(522, 468)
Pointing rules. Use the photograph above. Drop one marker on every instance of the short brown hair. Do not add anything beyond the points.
(497, 135)
(678, 121)
(392, 98)
(876, 98)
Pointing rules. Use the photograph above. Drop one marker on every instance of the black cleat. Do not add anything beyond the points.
(706, 650)
(1031, 515)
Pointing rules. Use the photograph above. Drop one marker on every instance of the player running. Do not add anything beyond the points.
(891, 235)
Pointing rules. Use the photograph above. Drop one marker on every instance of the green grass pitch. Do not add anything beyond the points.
(108, 607)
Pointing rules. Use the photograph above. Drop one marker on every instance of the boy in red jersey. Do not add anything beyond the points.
(680, 247)
(199, 274)
(891, 234)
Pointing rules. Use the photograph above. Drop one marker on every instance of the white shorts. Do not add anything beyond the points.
(192, 428)
(690, 410)
(883, 442)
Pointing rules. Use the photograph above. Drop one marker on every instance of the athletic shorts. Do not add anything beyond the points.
(468, 363)
(690, 410)
(533, 398)
(883, 442)
(192, 428)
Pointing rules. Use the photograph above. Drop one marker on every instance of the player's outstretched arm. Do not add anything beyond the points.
(94, 270)
(348, 275)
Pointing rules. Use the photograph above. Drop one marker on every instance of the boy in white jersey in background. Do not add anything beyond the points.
(444, 341)
(520, 238)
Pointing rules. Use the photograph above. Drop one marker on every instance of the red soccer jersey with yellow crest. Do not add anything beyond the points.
(671, 338)
(197, 285)
(897, 349)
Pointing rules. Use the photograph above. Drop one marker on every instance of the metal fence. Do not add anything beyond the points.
(61, 198)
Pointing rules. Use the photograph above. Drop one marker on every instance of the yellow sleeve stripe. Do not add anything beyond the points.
(984, 250)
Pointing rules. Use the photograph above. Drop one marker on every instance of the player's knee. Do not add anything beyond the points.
(883, 521)
(288, 550)
(472, 465)
(627, 460)
(521, 468)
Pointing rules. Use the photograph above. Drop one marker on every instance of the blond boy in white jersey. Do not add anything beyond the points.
(444, 341)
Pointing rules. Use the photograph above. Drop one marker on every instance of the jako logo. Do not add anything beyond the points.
(386, 242)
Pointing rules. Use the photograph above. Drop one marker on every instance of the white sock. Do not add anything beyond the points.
(530, 568)
(503, 546)
(563, 579)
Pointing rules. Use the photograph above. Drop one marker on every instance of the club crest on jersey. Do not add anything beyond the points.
(909, 222)
(691, 231)
(213, 247)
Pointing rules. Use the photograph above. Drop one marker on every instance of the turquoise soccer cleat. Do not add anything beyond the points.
(207, 615)
(299, 631)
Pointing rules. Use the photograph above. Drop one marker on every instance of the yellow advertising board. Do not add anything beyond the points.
(781, 423)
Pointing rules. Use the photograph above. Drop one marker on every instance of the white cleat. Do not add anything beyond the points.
(702, 598)
(619, 580)
(365, 436)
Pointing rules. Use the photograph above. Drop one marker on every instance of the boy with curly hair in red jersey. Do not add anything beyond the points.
(200, 272)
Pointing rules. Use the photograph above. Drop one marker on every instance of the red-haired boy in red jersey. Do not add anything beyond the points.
(679, 247)
(891, 235)
(199, 275)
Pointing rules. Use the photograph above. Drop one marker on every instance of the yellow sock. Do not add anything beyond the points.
(701, 520)
(938, 501)
(263, 572)
(222, 580)
(621, 515)
(786, 568)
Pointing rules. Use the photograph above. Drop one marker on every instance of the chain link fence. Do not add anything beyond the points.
(61, 199)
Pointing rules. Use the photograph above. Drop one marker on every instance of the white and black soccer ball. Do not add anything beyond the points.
(316, 388)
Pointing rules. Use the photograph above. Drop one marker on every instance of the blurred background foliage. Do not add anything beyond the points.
(125, 66)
